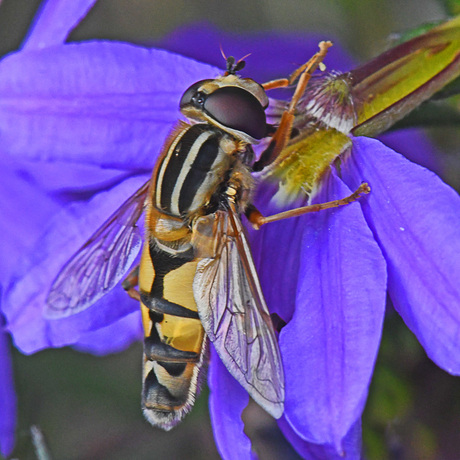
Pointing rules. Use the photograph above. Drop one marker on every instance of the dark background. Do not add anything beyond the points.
(89, 407)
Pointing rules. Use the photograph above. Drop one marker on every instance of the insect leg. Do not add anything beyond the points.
(283, 133)
(130, 282)
(257, 219)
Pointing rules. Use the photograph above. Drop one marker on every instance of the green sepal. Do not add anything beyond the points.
(390, 86)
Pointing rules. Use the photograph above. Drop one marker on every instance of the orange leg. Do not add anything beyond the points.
(282, 135)
(257, 219)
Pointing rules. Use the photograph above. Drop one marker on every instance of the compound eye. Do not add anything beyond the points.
(191, 93)
(237, 109)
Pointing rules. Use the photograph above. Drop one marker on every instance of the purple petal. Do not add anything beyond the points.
(55, 21)
(47, 234)
(330, 345)
(22, 219)
(351, 444)
(226, 403)
(107, 104)
(7, 397)
(416, 147)
(415, 218)
(113, 338)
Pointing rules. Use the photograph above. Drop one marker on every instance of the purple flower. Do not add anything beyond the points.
(81, 126)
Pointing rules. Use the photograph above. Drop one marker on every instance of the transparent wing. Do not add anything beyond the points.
(100, 263)
(234, 313)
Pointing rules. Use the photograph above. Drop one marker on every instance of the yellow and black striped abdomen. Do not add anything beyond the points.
(174, 345)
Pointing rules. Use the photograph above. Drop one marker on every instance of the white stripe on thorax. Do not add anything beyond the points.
(163, 167)
(192, 154)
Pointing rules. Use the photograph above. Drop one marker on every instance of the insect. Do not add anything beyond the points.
(197, 280)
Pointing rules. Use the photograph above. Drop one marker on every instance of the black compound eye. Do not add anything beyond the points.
(190, 93)
(237, 109)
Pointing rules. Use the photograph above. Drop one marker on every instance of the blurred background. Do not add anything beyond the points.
(89, 407)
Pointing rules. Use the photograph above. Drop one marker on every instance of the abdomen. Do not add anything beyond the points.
(174, 344)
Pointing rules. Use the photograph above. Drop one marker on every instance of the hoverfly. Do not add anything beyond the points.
(197, 279)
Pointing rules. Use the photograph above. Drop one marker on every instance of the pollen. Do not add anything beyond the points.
(302, 164)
